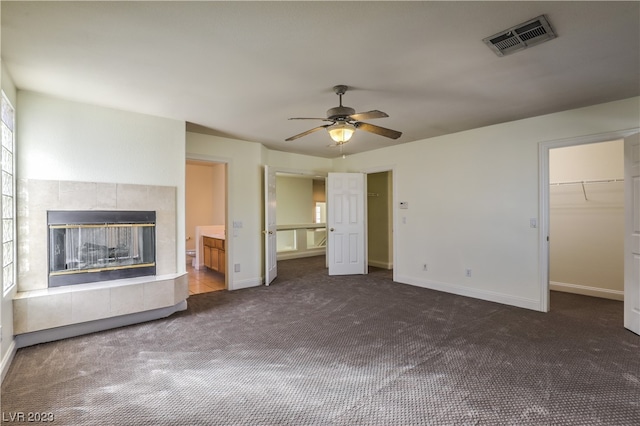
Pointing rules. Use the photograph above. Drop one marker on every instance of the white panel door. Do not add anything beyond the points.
(346, 220)
(632, 233)
(270, 247)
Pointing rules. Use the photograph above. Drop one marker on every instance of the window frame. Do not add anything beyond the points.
(6, 290)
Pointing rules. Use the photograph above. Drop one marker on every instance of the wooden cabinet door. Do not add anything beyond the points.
(207, 256)
(222, 261)
(215, 265)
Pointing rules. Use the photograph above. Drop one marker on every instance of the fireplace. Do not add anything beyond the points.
(92, 246)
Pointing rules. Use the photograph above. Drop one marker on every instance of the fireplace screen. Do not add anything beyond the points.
(95, 246)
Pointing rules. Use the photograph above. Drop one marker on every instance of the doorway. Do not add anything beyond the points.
(586, 221)
(205, 225)
(294, 216)
(544, 150)
(380, 219)
(380, 203)
(300, 216)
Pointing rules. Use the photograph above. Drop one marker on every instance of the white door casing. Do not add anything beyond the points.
(270, 246)
(346, 220)
(632, 233)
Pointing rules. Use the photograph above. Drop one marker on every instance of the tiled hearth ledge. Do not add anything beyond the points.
(43, 314)
(61, 312)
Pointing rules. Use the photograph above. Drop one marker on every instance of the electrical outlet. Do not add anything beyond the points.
(236, 267)
(425, 267)
(467, 272)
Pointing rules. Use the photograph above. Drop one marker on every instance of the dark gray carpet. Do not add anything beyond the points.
(319, 350)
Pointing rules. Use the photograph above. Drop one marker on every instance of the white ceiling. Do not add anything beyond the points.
(241, 69)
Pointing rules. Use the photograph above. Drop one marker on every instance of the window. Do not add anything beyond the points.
(320, 212)
(8, 198)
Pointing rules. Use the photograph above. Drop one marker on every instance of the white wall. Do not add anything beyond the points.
(294, 200)
(244, 195)
(471, 196)
(64, 140)
(596, 161)
(245, 190)
(296, 162)
(586, 249)
(70, 141)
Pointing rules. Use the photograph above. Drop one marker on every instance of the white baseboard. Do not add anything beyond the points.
(489, 296)
(587, 291)
(251, 282)
(300, 254)
(7, 359)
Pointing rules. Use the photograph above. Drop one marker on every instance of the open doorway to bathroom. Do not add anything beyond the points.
(205, 217)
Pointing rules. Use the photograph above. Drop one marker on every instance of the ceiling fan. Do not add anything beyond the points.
(344, 122)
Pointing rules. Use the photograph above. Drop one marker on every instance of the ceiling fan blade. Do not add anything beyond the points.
(315, 129)
(369, 115)
(393, 134)
(310, 118)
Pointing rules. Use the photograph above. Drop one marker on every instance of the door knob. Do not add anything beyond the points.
(331, 229)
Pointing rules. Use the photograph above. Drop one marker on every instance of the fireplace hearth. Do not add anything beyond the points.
(92, 246)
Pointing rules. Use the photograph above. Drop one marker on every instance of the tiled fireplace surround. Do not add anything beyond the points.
(41, 313)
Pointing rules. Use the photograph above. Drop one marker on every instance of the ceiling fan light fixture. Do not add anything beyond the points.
(341, 132)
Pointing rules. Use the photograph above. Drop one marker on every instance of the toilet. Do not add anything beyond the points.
(192, 254)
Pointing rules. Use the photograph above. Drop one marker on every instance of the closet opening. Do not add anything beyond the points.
(380, 219)
(586, 219)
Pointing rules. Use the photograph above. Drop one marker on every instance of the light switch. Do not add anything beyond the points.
(404, 204)
(533, 222)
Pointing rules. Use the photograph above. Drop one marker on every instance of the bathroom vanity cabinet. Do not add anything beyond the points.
(214, 254)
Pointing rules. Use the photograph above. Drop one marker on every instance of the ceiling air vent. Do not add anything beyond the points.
(535, 31)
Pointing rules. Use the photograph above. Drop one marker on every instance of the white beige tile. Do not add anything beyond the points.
(158, 294)
(32, 254)
(22, 197)
(56, 307)
(48, 311)
(20, 316)
(162, 198)
(43, 194)
(165, 258)
(132, 197)
(127, 299)
(31, 282)
(90, 305)
(181, 288)
(106, 196)
(78, 195)
(166, 243)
